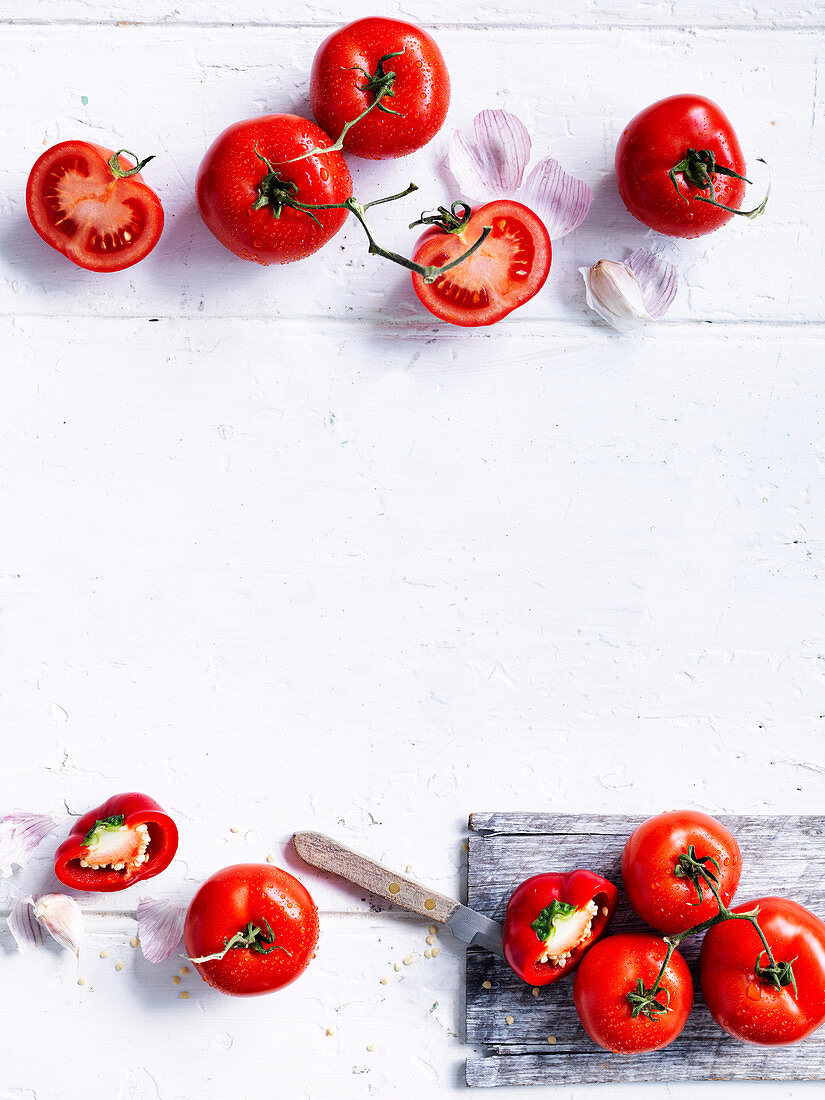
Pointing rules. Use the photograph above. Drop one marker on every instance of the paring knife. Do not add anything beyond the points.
(465, 924)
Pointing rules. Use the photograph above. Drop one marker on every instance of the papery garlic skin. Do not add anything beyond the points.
(20, 836)
(62, 918)
(614, 293)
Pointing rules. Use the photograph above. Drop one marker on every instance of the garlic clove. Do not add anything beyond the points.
(160, 927)
(627, 295)
(62, 918)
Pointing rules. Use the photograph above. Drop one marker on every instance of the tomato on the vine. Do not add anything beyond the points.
(507, 270)
(249, 175)
(679, 165)
(92, 205)
(610, 975)
(380, 57)
(662, 884)
(780, 1007)
(250, 929)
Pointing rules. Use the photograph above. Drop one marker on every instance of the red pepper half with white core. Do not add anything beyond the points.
(127, 839)
(552, 920)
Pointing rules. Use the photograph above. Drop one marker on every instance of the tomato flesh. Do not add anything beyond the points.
(508, 269)
(99, 221)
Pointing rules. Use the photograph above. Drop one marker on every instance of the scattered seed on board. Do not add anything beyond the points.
(270, 858)
(175, 980)
(385, 981)
(81, 981)
(428, 954)
(330, 1031)
(184, 970)
(233, 828)
(184, 996)
(433, 930)
(397, 966)
(134, 941)
(551, 1039)
(430, 939)
(370, 1047)
(509, 1020)
(536, 991)
(118, 966)
(486, 985)
(408, 961)
(436, 951)
(104, 954)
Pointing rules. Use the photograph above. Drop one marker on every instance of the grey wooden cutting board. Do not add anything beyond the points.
(781, 855)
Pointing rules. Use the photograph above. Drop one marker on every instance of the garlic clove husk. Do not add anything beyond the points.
(62, 918)
(560, 200)
(20, 835)
(491, 164)
(160, 927)
(27, 932)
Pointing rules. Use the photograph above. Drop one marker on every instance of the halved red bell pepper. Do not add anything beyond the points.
(552, 919)
(127, 839)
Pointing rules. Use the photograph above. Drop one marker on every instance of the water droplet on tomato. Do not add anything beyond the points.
(256, 243)
(754, 991)
(324, 174)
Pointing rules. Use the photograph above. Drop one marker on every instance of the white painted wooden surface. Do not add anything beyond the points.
(285, 554)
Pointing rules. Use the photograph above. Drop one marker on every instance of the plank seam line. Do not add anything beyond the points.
(217, 24)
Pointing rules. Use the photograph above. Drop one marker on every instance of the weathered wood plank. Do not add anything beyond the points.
(780, 855)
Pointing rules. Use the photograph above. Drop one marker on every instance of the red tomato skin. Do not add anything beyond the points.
(609, 971)
(654, 142)
(422, 87)
(133, 189)
(435, 248)
(226, 903)
(663, 900)
(230, 174)
(741, 1004)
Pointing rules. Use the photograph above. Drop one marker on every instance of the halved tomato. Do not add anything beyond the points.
(92, 205)
(507, 270)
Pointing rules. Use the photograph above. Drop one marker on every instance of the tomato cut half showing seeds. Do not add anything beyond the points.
(507, 270)
(99, 220)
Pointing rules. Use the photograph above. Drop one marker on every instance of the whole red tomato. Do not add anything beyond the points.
(93, 206)
(507, 270)
(251, 928)
(689, 135)
(352, 67)
(659, 883)
(755, 1008)
(609, 974)
(245, 183)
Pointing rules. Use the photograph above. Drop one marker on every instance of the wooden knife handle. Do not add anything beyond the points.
(321, 851)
